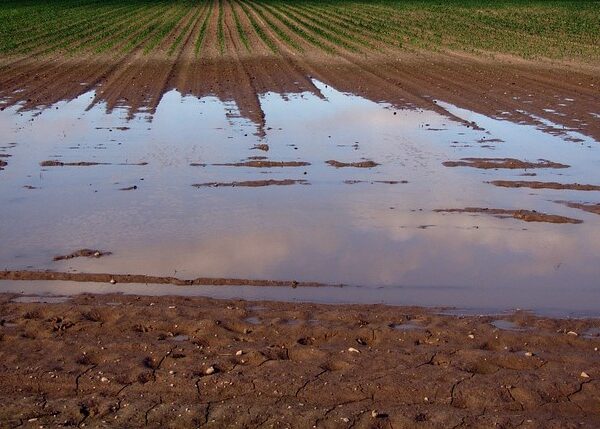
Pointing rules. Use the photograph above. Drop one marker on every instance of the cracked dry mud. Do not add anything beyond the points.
(131, 361)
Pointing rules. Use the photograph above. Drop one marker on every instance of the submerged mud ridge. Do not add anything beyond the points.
(544, 185)
(524, 215)
(265, 164)
(83, 253)
(252, 183)
(191, 362)
(589, 207)
(359, 164)
(140, 278)
(508, 163)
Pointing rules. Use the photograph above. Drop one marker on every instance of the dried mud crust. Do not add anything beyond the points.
(508, 163)
(189, 362)
(251, 183)
(544, 185)
(524, 215)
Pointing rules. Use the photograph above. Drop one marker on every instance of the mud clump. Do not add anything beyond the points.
(3, 164)
(544, 185)
(52, 163)
(251, 183)
(129, 188)
(507, 163)
(588, 207)
(385, 182)
(262, 146)
(82, 253)
(197, 164)
(359, 164)
(265, 164)
(524, 215)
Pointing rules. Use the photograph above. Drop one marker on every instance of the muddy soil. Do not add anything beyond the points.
(588, 207)
(139, 278)
(359, 164)
(135, 361)
(524, 215)
(508, 163)
(83, 253)
(252, 183)
(265, 164)
(544, 185)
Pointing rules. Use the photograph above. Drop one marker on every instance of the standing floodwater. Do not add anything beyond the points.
(331, 189)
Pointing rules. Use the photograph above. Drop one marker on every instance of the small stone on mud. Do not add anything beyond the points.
(471, 336)
(584, 375)
(572, 333)
(353, 350)
(113, 281)
(210, 370)
(239, 353)
(528, 354)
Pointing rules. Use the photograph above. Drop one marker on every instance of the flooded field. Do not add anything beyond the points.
(406, 205)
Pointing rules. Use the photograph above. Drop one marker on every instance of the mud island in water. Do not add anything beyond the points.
(240, 282)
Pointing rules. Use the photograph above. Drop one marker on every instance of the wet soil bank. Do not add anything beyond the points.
(100, 360)
(521, 91)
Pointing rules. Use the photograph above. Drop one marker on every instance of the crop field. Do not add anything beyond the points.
(240, 28)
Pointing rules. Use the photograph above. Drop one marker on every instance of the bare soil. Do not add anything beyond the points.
(266, 164)
(132, 361)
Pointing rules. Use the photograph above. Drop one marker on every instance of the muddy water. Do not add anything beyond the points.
(367, 227)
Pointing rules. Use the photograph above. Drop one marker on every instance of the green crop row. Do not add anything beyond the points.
(568, 29)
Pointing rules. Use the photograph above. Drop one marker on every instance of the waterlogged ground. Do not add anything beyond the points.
(385, 214)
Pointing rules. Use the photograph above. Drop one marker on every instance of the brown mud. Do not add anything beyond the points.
(133, 361)
(359, 164)
(507, 163)
(252, 183)
(409, 80)
(589, 207)
(83, 253)
(544, 185)
(144, 279)
(524, 215)
(54, 163)
(265, 164)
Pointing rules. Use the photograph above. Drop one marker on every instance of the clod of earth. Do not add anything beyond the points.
(263, 147)
(2, 164)
(386, 182)
(265, 164)
(359, 164)
(251, 183)
(544, 185)
(83, 253)
(588, 207)
(53, 163)
(509, 163)
(524, 215)
(130, 188)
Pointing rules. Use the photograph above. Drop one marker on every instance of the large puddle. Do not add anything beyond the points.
(324, 222)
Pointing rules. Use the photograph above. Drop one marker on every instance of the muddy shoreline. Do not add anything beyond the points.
(185, 362)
